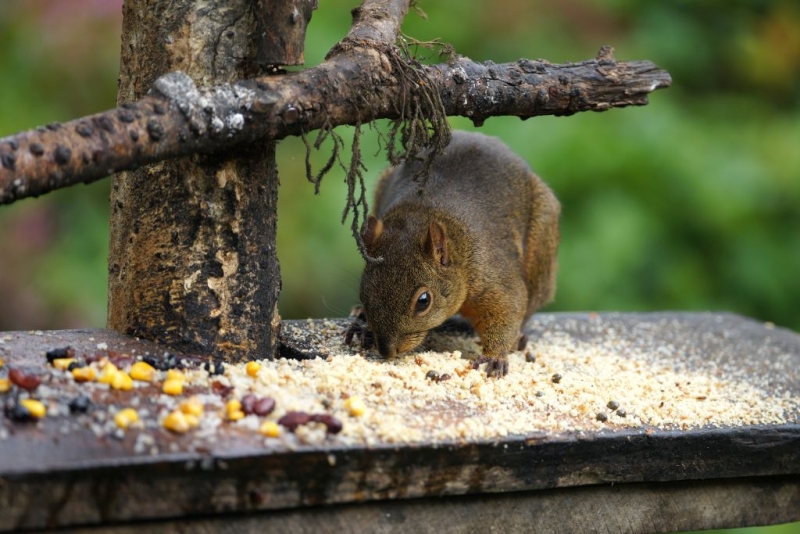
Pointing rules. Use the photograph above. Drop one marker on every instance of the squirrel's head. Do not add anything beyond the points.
(417, 286)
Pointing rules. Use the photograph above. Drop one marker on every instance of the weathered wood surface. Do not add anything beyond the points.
(622, 508)
(52, 479)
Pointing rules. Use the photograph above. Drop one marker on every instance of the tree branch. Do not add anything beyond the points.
(357, 83)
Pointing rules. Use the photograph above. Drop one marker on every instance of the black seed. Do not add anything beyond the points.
(159, 109)
(36, 149)
(444, 377)
(432, 375)
(19, 413)
(125, 116)
(134, 135)
(79, 404)
(556, 378)
(53, 126)
(530, 357)
(62, 155)
(612, 405)
(84, 129)
(128, 105)
(155, 129)
(9, 161)
(170, 361)
(62, 352)
(75, 365)
(601, 417)
(13, 144)
(622, 413)
(151, 361)
(540, 393)
(214, 368)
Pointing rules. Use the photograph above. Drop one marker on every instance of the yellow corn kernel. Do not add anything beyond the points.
(253, 368)
(83, 374)
(234, 409)
(176, 422)
(5, 385)
(270, 429)
(192, 406)
(122, 381)
(35, 407)
(125, 418)
(191, 419)
(173, 386)
(142, 371)
(62, 363)
(355, 406)
(174, 374)
(109, 372)
(2, 363)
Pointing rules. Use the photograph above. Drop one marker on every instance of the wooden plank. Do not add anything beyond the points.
(642, 508)
(59, 473)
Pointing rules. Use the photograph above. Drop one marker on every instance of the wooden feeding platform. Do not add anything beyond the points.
(703, 431)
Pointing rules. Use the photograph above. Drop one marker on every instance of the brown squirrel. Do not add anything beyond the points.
(481, 239)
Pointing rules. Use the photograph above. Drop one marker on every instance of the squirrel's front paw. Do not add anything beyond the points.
(495, 367)
(360, 331)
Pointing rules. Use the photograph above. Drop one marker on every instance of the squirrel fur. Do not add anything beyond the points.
(480, 239)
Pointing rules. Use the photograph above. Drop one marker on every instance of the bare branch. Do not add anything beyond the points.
(358, 83)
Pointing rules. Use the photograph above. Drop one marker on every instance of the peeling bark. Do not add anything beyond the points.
(192, 260)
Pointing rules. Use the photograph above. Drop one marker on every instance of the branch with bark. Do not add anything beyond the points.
(359, 82)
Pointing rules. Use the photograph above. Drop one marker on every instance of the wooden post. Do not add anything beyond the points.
(192, 260)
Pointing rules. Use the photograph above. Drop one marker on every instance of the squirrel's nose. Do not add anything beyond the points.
(386, 348)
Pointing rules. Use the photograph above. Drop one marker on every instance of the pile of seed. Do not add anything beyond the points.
(557, 384)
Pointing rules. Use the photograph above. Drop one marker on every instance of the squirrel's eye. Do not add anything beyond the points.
(423, 302)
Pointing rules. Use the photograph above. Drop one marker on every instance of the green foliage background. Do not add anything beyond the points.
(690, 203)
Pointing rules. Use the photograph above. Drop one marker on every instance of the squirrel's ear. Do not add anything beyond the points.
(372, 232)
(437, 244)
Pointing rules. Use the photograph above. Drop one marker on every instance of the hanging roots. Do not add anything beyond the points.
(422, 128)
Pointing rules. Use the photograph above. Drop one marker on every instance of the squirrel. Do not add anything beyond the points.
(480, 239)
